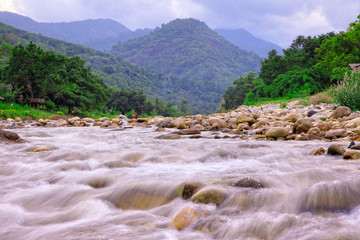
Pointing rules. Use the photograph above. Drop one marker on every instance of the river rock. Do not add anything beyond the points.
(9, 135)
(354, 123)
(169, 137)
(314, 131)
(241, 127)
(324, 126)
(187, 190)
(351, 155)
(247, 182)
(303, 125)
(356, 146)
(60, 123)
(276, 132)
(184, 218)
(188, 132)
(40, 149)
(335, 133)
(245, 117)
(319, 151)
(336, 149)
(214, 195)
(139, 197)
(311, 112)
(115, 121)
(341, 112)
(292, 117)
(105, 123)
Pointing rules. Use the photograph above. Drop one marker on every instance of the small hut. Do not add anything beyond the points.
(36, 102)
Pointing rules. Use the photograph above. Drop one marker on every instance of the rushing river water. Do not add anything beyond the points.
(104, 184)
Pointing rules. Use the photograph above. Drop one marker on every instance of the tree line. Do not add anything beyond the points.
(308, 66)
(30, 72)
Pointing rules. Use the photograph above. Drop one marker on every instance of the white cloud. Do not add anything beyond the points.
(279, 21)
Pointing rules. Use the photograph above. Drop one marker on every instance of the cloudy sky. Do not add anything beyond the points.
(277, 21)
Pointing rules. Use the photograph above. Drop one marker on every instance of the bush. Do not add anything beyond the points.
(323, 97)
(347, 92)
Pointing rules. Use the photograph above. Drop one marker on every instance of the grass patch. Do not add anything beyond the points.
(13, 110)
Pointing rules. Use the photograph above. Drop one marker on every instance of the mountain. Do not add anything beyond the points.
(189, 50)
(100, 34)
(115, 71)
(245, 40)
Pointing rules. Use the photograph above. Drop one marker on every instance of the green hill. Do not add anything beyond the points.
(115, 71)
(189, 50)
(100, 34)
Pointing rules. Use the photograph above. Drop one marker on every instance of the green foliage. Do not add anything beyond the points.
(347, 92)
(235, 95)
(35, 73)
(341, 49)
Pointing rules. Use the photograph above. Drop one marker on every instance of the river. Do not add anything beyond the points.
(84, 187)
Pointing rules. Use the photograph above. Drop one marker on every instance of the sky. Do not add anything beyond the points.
(277, 21)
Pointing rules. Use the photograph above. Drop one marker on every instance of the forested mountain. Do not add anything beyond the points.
(245, 40)
(115, 71)
(189, 50)
(100, 34)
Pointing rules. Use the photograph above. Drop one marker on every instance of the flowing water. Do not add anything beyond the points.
(104, 184)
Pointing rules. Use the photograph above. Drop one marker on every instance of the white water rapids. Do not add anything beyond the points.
(83, 188)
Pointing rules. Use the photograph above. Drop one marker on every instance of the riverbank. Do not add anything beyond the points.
(326, 122)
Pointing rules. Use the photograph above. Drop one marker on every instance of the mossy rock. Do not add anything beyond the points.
(214, 195)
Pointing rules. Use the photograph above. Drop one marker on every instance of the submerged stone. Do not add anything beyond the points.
(214, 195)
(184, 218)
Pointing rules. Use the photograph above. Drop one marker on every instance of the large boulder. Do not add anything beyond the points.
(184, 218)
(336, 149)
(276, 132)
(10, 137)
(303, 125)
(341, 112)
(214, 195)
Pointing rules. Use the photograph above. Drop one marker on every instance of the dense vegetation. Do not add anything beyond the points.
(30, 72)
(202, 62)
(309, 65)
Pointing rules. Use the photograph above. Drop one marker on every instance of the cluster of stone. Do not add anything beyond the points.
(299, 123)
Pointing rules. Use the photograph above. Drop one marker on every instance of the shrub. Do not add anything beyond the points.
(347, 92)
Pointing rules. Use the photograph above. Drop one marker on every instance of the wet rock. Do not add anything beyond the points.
(335, 133)
(351, 155)
(303, 125)
(139, 197)
(188, 132)
(164, 124)
(187, 190)
(184, 218)
(169, 137)
(336, 149)
(214, 195)
(276, 132)
(115, 121)
(292, 117)
(319, 151)
(160, 129)
(9, 135)
(40, 149)
(341, 112)
(247, 182)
